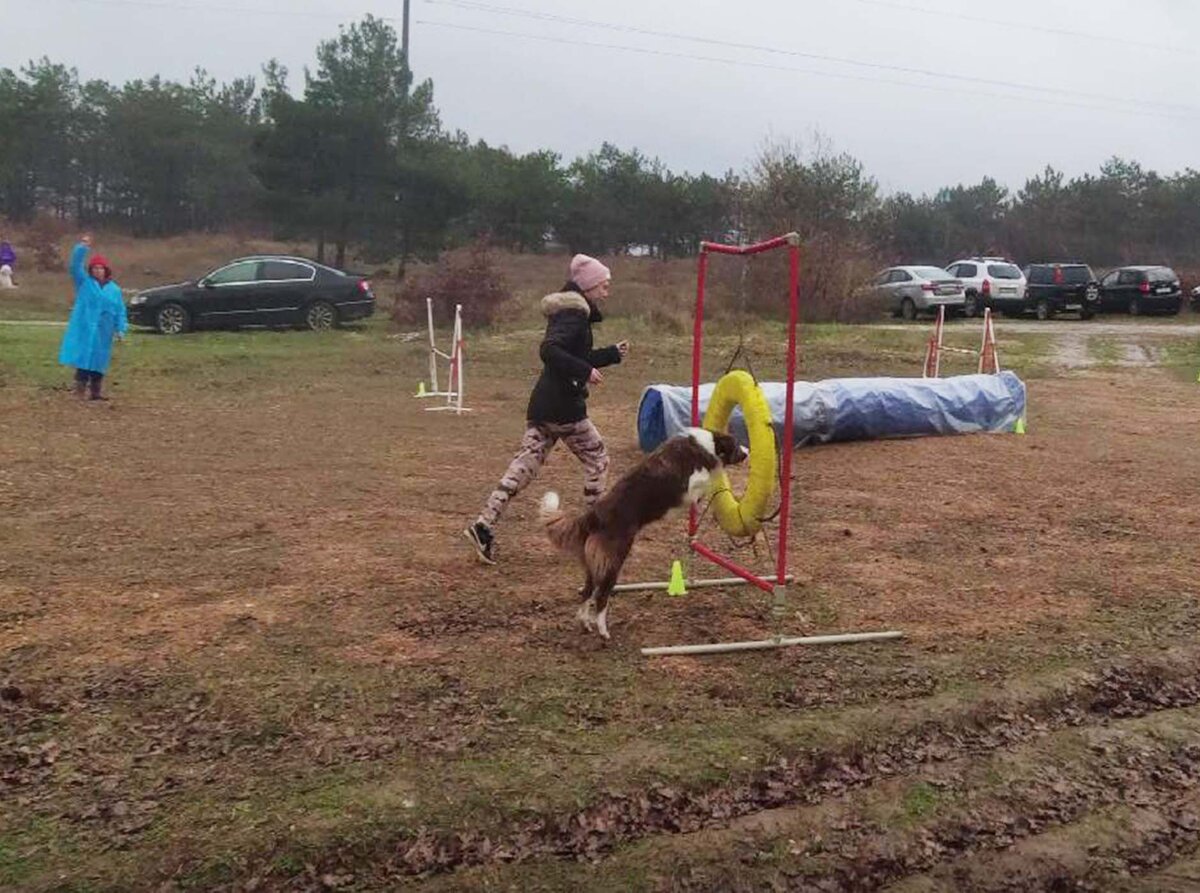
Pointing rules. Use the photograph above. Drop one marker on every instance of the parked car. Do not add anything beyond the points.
(1196, 299)
(1055, 288)
(265, 290)
(912, 290)
(1136, 290)
(988, 282)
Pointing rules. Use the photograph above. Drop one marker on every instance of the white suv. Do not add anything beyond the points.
(988, 282)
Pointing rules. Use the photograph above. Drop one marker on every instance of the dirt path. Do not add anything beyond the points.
(1134, 340)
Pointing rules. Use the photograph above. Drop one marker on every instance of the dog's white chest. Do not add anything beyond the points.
(697, 486)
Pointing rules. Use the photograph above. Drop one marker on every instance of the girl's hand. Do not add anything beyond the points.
(595, 377)
(623, 348)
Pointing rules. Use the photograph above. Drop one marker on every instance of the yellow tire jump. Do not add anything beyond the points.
(743, 517)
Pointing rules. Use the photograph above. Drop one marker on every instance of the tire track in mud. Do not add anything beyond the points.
(999, 843)
(1117, 692)
(1151, 839)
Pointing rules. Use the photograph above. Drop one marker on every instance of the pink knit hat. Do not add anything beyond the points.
(587, 272)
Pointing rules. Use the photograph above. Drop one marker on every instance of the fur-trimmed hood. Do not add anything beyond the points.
(564, 301)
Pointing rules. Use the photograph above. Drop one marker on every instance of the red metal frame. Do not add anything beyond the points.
(792, 243)
(732, 566)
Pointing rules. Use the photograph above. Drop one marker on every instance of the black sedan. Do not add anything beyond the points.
(1137, 290)
(256, 291)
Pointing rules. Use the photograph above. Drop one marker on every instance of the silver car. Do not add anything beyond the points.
(912, 290)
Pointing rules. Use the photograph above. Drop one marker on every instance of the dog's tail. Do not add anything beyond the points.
(566, 532)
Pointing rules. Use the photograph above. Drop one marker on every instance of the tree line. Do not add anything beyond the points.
(360, 163)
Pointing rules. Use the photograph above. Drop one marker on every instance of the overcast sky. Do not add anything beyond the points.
(1023, 84)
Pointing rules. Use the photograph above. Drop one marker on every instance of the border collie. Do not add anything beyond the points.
(675, 475)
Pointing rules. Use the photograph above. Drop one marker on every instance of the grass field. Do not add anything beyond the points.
(244, 646)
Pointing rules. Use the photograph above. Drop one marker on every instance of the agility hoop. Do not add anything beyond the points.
(743, 517)
(774, 583)
(456, 360)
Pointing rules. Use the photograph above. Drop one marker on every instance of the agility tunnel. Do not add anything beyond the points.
(841, 409)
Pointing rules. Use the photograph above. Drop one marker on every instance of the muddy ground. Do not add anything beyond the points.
(244, 646)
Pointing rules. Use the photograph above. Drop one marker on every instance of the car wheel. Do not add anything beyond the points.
(171, 319)
(321, 316)
(908, 309)
(1043, 310)
(1135, 308)
(1086, 314)
(971, 305)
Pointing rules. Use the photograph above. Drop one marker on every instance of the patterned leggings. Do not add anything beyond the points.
(581, 438)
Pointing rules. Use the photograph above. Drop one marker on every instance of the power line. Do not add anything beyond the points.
(240, 10)
(1027, 28)
(818, 73)
(495, 9)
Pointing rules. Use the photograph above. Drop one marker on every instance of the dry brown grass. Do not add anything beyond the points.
(659, 293)
(244, 631)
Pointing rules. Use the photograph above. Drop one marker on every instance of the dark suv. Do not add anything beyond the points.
(1053, 288)
(1135, 290)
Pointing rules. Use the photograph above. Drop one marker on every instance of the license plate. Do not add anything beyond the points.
(1008, 291)
(1163, 290)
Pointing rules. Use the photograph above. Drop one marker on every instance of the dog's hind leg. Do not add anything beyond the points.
(586, 615)
(616, 553)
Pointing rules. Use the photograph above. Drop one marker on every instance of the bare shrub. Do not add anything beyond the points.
(1189, 278)
(826, 197)
(467, 276)
(44, 236)
(835, 277)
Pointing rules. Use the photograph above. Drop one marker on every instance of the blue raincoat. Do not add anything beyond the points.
(98, 314)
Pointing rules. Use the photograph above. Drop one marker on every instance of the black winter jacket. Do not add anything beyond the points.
(560, 395)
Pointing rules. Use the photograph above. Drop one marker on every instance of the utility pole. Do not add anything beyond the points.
(404, 37)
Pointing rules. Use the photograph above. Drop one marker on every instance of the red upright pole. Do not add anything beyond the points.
(698, 335)
(785, 485)
(697, 351)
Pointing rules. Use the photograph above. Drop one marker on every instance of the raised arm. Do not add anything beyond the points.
(78, 260)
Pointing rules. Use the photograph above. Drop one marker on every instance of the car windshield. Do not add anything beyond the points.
(1003, 271)
(1161, 274)
(1076, 275)
(931, 273)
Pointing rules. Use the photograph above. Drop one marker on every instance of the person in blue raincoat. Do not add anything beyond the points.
(97, 316)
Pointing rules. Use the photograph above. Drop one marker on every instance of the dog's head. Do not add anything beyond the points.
(722, 447)
(728, 450)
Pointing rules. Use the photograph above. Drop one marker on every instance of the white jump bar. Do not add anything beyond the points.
(765, 644)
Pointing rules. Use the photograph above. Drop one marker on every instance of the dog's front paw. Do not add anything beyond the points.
(602, 624)
(586, 616)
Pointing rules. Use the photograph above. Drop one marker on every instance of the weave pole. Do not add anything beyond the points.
(989, 359)
(457, 360)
